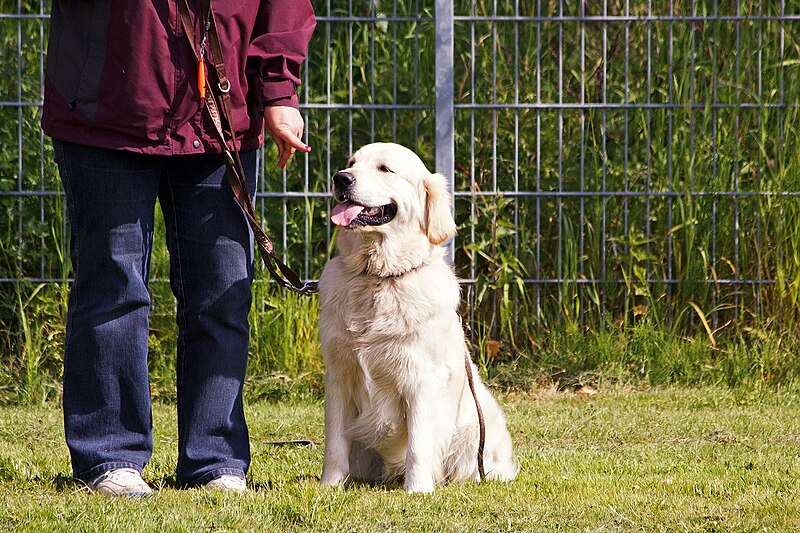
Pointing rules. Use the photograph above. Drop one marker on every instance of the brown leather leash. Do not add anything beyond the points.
(481, 424)
(235, 170)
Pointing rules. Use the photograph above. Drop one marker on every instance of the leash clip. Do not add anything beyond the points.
(308, 288)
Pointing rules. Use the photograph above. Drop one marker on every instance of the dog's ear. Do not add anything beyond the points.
(439, 223)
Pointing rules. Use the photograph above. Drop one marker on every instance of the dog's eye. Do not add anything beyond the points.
(384, 168)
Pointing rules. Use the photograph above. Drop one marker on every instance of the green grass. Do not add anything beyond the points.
(707, 459)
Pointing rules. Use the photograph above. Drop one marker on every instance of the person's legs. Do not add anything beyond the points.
(111, 198)
(211, 258)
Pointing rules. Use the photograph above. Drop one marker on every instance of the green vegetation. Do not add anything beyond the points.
(702, 129)
(707, 459)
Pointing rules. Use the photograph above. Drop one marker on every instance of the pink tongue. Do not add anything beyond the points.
(344, 213)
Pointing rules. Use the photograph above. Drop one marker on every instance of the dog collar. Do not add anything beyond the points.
(397, 274)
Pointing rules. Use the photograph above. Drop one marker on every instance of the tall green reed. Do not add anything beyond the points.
(33, 329)
(666, 285)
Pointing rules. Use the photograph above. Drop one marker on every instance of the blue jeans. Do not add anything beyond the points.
(111, 197)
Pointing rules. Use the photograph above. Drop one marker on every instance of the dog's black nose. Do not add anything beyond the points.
(343, 180)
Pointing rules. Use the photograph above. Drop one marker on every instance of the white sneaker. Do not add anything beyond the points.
(227, 483)
(120, 482)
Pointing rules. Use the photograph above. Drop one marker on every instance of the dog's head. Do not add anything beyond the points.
(386, 189)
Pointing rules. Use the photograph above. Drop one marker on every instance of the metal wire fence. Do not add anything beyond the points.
(612, 159)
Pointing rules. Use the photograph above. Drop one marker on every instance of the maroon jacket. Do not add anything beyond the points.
(121, 74)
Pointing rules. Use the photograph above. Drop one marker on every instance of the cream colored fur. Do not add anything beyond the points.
(397, 401)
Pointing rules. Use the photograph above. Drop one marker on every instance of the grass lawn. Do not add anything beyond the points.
(707, 459)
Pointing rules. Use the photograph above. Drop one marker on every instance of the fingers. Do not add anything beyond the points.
(285, 126)
(282, 157)
(288, 143)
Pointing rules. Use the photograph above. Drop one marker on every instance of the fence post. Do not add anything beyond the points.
(445, 137)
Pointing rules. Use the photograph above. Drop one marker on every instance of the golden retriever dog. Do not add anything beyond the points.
(397, 398)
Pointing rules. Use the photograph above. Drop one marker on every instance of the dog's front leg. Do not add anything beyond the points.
(423, 457)
(339, 412)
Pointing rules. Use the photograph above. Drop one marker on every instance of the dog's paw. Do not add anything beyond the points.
(331, 478)
(425, 486)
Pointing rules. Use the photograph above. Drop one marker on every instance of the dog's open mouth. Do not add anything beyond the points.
(349, 213)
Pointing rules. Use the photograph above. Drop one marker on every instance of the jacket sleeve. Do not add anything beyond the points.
(278, 47)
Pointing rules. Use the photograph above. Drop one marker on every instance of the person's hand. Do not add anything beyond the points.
(285, 125)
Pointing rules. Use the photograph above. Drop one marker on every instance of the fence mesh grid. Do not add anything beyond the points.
(608, 156)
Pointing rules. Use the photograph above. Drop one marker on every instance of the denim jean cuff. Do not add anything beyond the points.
(89, 475)
(208, 476)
